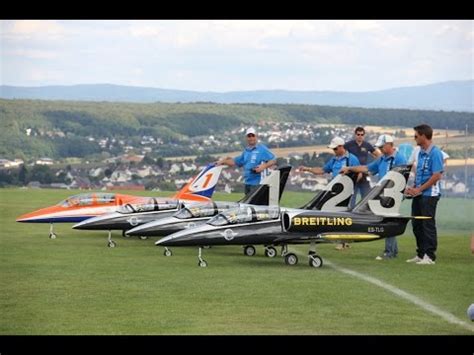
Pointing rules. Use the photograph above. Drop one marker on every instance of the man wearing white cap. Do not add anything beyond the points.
(382, 165)
(256, 159)
(341, 159)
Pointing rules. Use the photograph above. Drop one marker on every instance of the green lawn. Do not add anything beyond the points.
(76, 285)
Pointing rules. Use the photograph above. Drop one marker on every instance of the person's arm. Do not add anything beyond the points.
(355, 169)
(264, 166)
(226, 161)
(418, 190)
(315, 170)
(376, 153)
(437, 168)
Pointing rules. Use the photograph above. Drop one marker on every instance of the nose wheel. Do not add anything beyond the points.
(314, 260)
(52, 235)
(167, 252)
(110, 242)
(201, 262)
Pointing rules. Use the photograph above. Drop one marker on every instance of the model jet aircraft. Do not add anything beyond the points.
(268, 193)
(376, 216)
(129, 217)
(334, 197)
(84, 206)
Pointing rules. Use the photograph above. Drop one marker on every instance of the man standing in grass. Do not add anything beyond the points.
(391, 157)
(334, 165)
(256, 159)
(426, 194)
(361, 149)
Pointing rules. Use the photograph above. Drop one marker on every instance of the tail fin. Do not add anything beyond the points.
(386, 197)
(336, 196)
(202, 186)
(270, 190)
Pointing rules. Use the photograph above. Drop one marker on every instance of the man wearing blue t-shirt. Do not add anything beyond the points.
(382, 165)
(334, 165)
(255, 159)
(426, 194)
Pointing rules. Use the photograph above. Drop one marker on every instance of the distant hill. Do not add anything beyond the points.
(445, 96)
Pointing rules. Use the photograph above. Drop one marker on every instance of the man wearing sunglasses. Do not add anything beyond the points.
(361, 149)
(426, 194)
(256, 159)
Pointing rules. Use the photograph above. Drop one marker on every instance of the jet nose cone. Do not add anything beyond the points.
(161, 227)
(36, 216)
(147, 229)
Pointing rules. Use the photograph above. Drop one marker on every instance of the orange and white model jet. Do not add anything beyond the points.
(80, 207)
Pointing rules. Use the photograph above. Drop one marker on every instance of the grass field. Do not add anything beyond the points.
(76, 285)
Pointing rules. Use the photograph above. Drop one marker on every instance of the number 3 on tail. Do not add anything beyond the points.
(395, 192)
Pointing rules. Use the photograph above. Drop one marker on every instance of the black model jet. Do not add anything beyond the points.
(334, 197)
(376, 216)
(130, 216)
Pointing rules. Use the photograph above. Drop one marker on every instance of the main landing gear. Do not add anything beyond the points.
(291, 259)
(52, 235)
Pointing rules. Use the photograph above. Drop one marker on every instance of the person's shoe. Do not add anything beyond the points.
(414, 260)
(379, 257)
(425, 261)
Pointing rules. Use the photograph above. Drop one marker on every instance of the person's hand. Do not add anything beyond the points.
(302, 168)
(259, 169)
(412, 191)
(344, 170)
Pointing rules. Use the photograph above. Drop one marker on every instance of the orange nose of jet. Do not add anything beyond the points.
(38, 216)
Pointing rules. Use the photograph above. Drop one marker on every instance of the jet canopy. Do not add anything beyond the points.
(152, 205)
(88, 199)
(204, 209)
(245, 214)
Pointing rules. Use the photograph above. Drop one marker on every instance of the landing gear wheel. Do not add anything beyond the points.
(143, 237)
(167, 252)
(270, 252)
(202, 263)
(315, 261)
(52, 236)
(291, 259)
(111, 244)
(249, 250)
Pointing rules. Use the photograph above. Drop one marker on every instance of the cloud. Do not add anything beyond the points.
(30, 29)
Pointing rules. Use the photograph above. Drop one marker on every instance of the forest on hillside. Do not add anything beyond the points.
(59, 129)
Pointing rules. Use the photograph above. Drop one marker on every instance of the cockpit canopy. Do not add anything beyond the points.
(245, 214)
(88, 199)
(151, 205)
(204, 209)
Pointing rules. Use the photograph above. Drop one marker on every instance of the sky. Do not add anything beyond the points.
(237, 55)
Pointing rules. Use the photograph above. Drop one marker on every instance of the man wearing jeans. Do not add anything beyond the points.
(426, 194)
(361, 149)
(391, 157)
